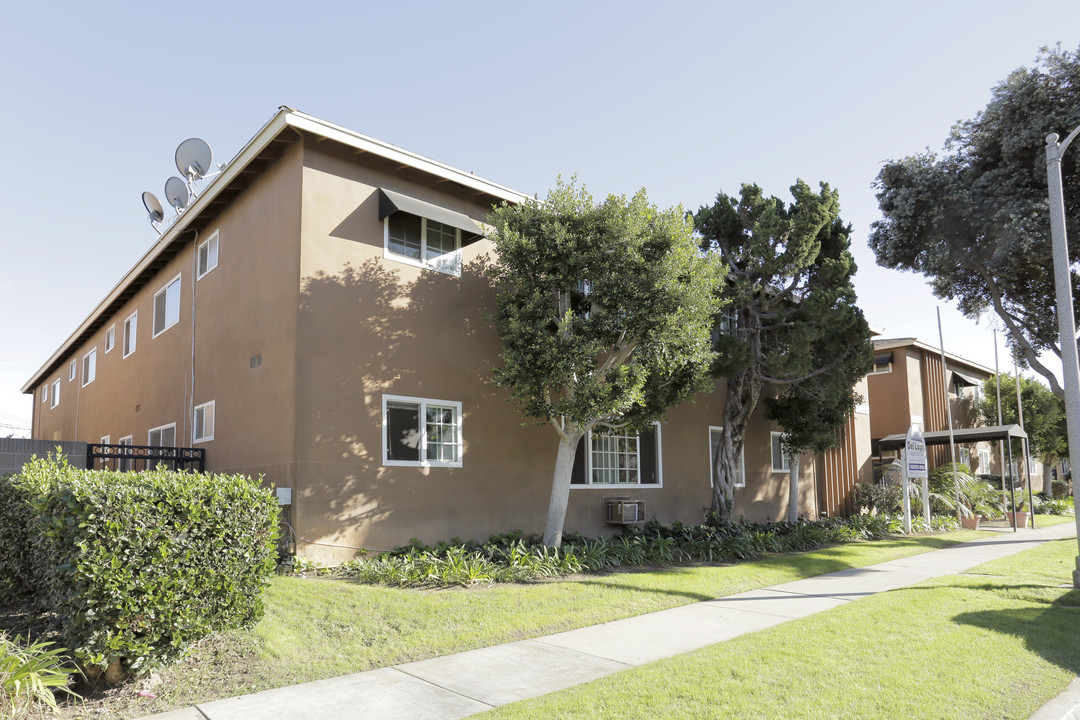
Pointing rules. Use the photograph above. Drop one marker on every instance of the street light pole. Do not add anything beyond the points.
(1070, 369)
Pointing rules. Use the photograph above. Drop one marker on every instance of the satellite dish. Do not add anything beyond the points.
(193, 158)
(176, 192)
(153, 207)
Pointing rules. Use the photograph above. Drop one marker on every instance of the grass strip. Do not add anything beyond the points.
(319, 628)
(997, 642)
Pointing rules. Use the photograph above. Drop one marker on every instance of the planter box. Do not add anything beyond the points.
(1019, 516)
(970, 523)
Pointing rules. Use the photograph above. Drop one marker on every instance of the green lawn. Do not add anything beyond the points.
(996, 642)
(318, 628)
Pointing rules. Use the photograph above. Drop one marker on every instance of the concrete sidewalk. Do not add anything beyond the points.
(460, 685)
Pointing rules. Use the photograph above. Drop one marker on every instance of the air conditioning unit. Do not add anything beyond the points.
(624, 511)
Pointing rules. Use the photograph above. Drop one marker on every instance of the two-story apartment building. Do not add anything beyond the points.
(318, 316)
(908, 387)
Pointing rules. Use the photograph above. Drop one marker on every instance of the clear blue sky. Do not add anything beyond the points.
(684, 98)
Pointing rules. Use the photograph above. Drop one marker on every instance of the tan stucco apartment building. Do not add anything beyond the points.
(317, 316)
(907, 387)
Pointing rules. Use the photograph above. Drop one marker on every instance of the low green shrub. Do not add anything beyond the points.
(875, 497)
(16, 552)
(30, 675)
(138, 566)
(1054, 506)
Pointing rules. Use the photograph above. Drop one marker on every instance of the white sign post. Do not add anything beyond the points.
(914, 462)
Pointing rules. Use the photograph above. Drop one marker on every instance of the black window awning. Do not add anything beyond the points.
(882, 357)
(391, 202)
(960, 378)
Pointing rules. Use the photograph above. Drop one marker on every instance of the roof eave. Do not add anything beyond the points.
(284, 117)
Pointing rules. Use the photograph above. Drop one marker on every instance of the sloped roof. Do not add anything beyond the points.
(952, 358)
(269, 143)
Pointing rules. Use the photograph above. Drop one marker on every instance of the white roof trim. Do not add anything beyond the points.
(953, 357)
(284, 117)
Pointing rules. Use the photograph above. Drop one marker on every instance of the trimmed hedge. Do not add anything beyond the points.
(137, 566)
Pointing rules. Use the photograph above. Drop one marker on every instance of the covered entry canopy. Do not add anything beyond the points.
(964, 435)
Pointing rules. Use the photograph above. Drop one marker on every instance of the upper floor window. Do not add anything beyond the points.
(55, 392)
(424, 234)
(89, 367)
(131, 325)
(207, 255)
(45, 392)
(71, 369)
(882, 363)
(781, 459)
(167, 306)
(110, 338)
(421, 432)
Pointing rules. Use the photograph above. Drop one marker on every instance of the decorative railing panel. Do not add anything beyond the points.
(132, 458)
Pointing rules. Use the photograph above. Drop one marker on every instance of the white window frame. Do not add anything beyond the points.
(422, 405)
(73, 367)
(644, 486)
(124, 464)
(110, 338)
(447, 263)
(195, 436)
(55, 393)
(159, 429)
(739, 483)
(785, 460)
(984, 467)
(106, 439)
(164, 290)
(89, 370)
(131, 333)
(45, 393)
(212, 248)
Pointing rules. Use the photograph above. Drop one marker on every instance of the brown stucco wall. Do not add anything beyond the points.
(245, 306)
(370, 326)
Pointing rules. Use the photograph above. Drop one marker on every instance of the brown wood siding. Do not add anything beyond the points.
(838, 471)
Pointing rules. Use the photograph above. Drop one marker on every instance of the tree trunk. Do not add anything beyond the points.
(743, 389)
(793, 489)
(560, 486)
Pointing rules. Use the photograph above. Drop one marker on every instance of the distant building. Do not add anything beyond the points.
(907, 387)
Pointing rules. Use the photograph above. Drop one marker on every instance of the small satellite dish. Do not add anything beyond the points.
(193, 158)
(176, 192)
(153, 207)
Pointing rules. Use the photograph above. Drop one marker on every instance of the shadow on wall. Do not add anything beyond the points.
(364, 331)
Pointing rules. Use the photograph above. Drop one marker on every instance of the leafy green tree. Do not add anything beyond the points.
(793, 333)
(1044, 414)
(975, 221)
(604, 311)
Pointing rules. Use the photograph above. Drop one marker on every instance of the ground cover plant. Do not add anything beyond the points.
(317, 627)
(515, 557)
(997, 641)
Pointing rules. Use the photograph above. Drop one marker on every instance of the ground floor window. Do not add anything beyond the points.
(164, 436)
(617, 457)
(714, 442)
(421, 432)
(984, 462)
(781, 460)
(204, 422)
